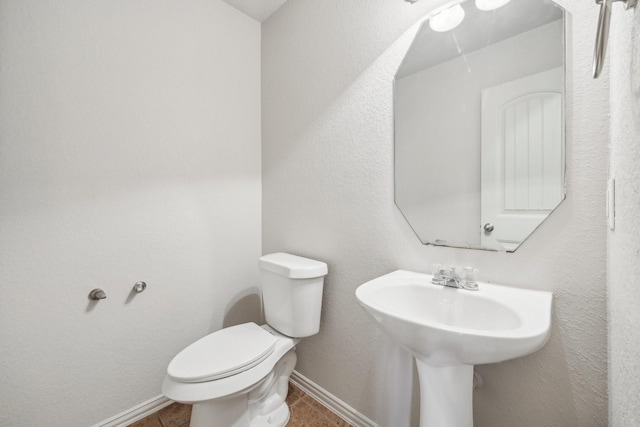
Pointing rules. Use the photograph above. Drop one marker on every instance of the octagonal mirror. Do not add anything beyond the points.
(479, 126)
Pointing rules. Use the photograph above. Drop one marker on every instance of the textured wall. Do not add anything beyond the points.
(624, 242)
(129, 150)
(328, 194)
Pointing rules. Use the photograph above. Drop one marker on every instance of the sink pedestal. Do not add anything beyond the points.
(446, 395)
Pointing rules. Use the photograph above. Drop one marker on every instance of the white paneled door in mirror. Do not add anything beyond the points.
(522, 157)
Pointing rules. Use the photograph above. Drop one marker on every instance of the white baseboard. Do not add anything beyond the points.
(327, 399)
(136, 413)
(336, 405)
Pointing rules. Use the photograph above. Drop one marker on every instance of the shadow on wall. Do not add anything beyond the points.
(294, 107)
(500, 383)
(634, 70)
(244, 307)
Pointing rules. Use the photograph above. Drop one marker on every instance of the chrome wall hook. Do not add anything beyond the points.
(97, 294)
(139, 287)
(602, 32)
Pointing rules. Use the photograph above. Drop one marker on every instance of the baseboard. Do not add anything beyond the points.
(327, 399)
(136, 413)
(336, 405)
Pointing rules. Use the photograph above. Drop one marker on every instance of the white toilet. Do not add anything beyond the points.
(239, 376)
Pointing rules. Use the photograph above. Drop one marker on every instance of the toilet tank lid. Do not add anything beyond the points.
(293, 266)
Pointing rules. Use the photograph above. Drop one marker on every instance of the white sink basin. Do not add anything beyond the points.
(449, 330)
(448, 326)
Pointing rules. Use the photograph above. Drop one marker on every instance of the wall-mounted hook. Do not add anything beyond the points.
(139, 287)
(97, 294)
(602, 33)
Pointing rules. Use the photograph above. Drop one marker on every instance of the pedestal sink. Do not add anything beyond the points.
(449, 330)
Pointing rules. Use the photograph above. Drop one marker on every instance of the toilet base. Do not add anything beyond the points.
(278, 418)
(263, 405)
(230, 412)
(226, 413)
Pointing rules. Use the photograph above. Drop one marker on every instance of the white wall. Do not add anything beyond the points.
(624, 242)
(129, 150)
(328, 194)
(438, 124)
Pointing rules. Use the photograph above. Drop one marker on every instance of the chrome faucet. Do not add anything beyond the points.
(449, 277)
(446, 277)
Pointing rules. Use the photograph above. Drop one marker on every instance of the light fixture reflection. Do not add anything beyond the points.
(448, 19)
(490, 4)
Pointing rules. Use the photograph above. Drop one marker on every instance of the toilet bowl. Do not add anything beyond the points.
(238, 376)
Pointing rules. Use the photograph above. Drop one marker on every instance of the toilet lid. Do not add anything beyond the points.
(221, 354)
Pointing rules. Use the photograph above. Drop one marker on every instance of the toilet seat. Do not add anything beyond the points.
(222, 354)
(198, 392)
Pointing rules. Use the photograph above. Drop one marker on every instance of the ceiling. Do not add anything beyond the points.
(259, 10)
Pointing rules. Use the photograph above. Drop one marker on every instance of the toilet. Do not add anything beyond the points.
(239, 376)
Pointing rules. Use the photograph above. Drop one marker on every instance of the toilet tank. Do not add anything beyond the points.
(292, 293)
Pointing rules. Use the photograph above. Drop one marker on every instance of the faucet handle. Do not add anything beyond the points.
(436, 270)
(470, 275)
(439, 273)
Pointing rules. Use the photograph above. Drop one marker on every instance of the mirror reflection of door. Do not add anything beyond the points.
(522, 158)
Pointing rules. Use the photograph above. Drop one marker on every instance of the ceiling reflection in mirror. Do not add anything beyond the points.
(479, 126)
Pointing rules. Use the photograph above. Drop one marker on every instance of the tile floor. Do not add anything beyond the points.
(305, 412)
